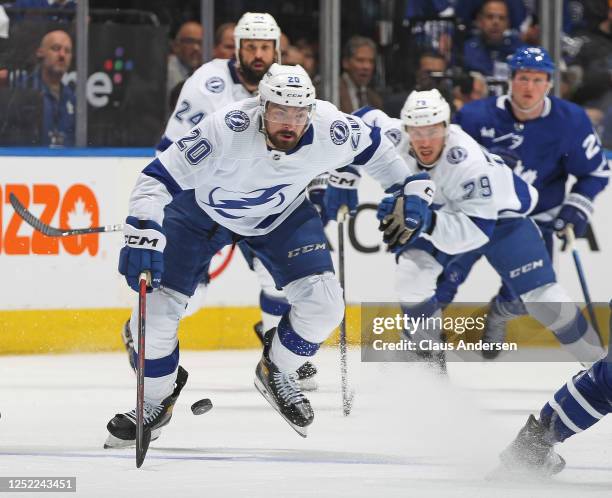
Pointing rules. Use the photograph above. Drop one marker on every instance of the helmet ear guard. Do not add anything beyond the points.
(257, 26)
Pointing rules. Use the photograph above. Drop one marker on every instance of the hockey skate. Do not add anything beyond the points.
(530, 454)
(128, 342)
(496, 324)
(305, 373)
(122, 427)
(283, 392)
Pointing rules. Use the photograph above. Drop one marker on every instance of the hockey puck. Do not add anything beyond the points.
(201, 407)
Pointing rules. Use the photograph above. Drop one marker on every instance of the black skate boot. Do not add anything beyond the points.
(531, 453)
(122, 427)
(128, 342)
(305, 373)
(282, 391)
(496, 324)
(259, 331)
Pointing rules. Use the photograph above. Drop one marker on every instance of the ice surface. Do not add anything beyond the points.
(410, 433)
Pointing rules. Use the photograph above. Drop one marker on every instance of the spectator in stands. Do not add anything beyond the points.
(59, 10)
(471, 87)
(358, 63)
(225, 47)
(487, 52)
(284, 45)
(309, 58)
(594, 64)
(186, 54)
(54, 57)
(430, 73)
(293, 56)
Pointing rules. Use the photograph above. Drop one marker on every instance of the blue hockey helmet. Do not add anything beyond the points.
(532, 58)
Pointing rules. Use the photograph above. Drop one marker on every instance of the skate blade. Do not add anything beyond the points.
(309, 384)
(114, 443)
(302, 431)
(520, 474)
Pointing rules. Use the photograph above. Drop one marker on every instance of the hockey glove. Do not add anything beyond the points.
(143, 251)
(341, 190)
(407, 214)
(510, 157)
(316, 192)
(577, 211)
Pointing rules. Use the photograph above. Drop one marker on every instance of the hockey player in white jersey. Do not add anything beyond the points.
(213, 86)
(222, 81)
(479, 205)
(241, 175)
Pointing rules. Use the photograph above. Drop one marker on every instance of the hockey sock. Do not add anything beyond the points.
(579, 404)
(272, 309)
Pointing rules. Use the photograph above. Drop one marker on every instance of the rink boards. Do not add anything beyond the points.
(66, 295)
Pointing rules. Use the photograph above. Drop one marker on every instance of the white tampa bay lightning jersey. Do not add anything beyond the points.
(473, 187)
(249, 188)
(212, 86)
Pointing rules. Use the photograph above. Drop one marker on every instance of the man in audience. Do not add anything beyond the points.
(225, 47)
(358, 63)
(487, 52)
(186, 54)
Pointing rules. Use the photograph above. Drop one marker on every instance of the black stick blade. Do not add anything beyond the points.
(50, 231)
(141, 450)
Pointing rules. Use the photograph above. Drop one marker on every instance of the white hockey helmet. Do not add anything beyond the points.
(286, 85)
(257, 26)
(425, 108)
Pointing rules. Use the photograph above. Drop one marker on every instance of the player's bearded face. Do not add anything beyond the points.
(285, 125)
(427, 142)
(529, 88)
(256, 56)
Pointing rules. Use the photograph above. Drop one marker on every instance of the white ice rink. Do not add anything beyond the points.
(410, 434)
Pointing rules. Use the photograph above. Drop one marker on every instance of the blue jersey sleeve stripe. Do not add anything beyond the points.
(163, 144)
(369, 151)
(157, 170)
(485, 226)
(362, 111)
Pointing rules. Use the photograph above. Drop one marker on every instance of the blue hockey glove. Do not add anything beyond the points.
(407, 214)
(341, 190)
(577, 211)
(316, 192)
(143, 251)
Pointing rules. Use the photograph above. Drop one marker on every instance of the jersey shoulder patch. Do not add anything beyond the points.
(395, 135)
(339, 132)
(456, 154)
(237, 120)
(215, 84)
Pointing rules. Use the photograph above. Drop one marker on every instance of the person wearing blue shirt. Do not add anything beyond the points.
(59, 101)
(487, 52)
(545, 139)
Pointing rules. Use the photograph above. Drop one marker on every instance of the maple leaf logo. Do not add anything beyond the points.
(79, 217)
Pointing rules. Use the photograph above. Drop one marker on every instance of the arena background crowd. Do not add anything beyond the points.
(140, 52)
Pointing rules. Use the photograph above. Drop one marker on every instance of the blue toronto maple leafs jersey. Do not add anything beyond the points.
(561, 142)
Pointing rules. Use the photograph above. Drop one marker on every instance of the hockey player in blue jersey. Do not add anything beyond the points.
(240, 174)
(547, 139)
(480, 206)
(584, 400)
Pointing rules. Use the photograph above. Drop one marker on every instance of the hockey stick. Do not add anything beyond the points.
(50, 231)
(571, 239)
(143, 436)
(347, 394)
